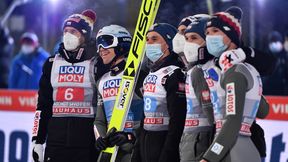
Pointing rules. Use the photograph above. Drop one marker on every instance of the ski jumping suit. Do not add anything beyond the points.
(108, 87)
(235, 95)
(165, 111)
(66, 109)
(198, 131)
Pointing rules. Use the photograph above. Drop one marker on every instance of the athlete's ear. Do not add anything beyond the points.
(164, 47)
(167, 47)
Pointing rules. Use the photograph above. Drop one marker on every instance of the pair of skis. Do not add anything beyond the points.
(147, 15)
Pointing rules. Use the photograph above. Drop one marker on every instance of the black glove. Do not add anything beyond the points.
(120, 138)
(101, 143)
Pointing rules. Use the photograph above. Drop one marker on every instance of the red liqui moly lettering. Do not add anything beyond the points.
(111, 87)
(71, 74)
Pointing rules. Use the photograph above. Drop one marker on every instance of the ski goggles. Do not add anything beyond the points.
(106, 41)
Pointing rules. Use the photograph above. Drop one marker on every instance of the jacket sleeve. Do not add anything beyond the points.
(237, 84)
(44, 106)
(139, 83)
(176, 105)
(202, 93)
(263, 110)
(100, 119)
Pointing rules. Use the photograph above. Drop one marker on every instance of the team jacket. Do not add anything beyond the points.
(235, 94)
(108, 87)
(199, 114)
(164, 108)
(66, 100)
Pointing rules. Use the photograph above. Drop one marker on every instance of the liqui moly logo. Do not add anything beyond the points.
(110, 88)
(150, 83)
(71, 74)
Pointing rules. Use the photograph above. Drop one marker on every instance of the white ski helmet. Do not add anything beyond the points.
(114, 36)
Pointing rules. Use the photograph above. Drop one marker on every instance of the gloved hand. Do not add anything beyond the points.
(37, 152)
(231, 57)
(120, 138)
(101, 143)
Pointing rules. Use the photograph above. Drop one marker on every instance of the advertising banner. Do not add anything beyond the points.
(17, 114)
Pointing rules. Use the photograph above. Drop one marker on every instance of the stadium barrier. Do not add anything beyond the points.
(17, 112)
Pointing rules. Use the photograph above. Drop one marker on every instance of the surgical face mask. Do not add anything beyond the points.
(71, 42)
(215, 45)
(27, 49)
(286, 46)
(154, 52)
(178, 43)
(191, 51)
(275, 47)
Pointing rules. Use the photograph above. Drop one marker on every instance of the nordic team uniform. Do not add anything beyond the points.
(165, 111)
(108, 87)
(198, 131)
(235, 95)
(66, 108)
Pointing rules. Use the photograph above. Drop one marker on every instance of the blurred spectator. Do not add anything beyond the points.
(6, 53)
(286, 43)
(277, 83)
(26, 68)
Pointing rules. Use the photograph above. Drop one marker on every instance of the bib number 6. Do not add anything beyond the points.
(68, 94)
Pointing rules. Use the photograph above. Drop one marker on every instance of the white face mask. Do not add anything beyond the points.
(191, 51)
(275, 47)
(27, 49)
(286, 46)
(71, 42)
(178, 43)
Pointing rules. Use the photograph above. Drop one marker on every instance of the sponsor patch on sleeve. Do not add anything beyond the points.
(163, 80)
(181, 87)
(217, 148)
(205, 95)
(230, 99)
(36, 123)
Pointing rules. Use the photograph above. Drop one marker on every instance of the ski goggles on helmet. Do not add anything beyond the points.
(106, 41)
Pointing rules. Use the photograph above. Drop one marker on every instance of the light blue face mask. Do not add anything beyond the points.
(154, 52)
(215, 45)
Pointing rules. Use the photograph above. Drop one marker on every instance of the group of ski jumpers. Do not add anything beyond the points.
(197, 102)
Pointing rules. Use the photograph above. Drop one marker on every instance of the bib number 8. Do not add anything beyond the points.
(148, 104)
